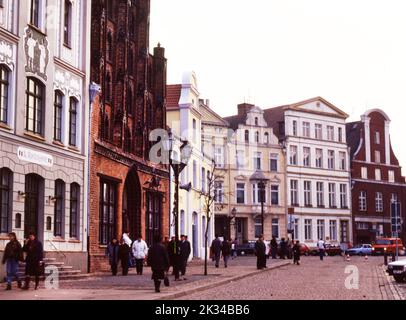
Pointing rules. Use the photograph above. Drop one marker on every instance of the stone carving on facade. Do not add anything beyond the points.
(69, 84)
(36, 52)
(6, 54)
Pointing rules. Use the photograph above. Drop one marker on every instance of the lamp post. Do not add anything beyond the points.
(261, 180)
(231, 217)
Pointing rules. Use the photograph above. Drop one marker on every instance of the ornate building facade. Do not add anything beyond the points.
(377, 181)
(128, 192)
(44, 50)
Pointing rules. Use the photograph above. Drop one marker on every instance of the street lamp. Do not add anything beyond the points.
(231, 217)
(261, 180)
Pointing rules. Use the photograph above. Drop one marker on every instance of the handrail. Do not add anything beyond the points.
(56, 249)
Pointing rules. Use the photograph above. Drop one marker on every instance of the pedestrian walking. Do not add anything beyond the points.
(234, 249)
(140, 251)
(176, 258)
(226, 251)
(124, 252)
(112, 252)
(284, 248)
(159, 261)
(216, 250)
(260, 252)
(296, 253)
(274, 247)
(13, 254)
(33, 261)
(289, 248)
(185, 251)
(127, 240)
(170, 248)
(322, 249)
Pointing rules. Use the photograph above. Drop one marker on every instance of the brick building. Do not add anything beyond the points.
(377, 179)
(127, 191)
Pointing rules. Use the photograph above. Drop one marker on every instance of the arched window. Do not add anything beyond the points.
(4, 93)
(130, 110)
(256, 121)
(74, 210)
(73, 114)
(108, 94)
(6, 190)
(266, 138)
(257, 137)
(35, 106)
(109, 47)
(59, 208)
(247, 136)
(58, 112)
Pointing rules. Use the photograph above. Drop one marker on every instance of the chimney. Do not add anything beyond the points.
(159, 52)
(244, 108)
(208, 103)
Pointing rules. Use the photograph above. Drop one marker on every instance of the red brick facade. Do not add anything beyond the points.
(369, 218)
(126, 190)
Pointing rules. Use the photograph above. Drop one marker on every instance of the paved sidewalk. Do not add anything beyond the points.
(133, 287)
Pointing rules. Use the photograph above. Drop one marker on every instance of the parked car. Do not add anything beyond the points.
(361, 250)
(389, 245)
(304, 250)
(247, 248)
(333, 250)
(397, 269)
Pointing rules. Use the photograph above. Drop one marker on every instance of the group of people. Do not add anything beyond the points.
(225, 248)
(14, 254)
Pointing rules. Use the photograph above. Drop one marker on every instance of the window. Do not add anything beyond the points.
(319, 158)
(377, 156)
(378, 176)
(294, 193)
(306, 129)
(258, 227)
(293, 155)
(203, 177)
(331, 159)
(296, 228)
(343, 161)
(256, 122)
(273, 166)
(306, 157)
(256, 194)
(182, 222)
(73, 121)
(240, 193)
(109, 52)
(257, 160)
(108, 88)
(194, 174)
(340, 134)
(6, 191)
(194, 130)
(240, 159)
(110, 8)
(379, 202)
(153, 215)
(318, 131)
(4, 93)
(108, 207)
(343, 196)
(308, 193)
(35, 13)
(344, 231)
(320, 194)
(275, 195)
(308, 230)
(275, 227)
(294, 128)
(35, 106)
(58, 112)
(362, 226)
(330, 133)
(333, 230)
(74, 210)
(394, 197)
(391, 176)
(377, 138)
(364, 173)
(332, 195)
(266, 138)
(59, 208)
(219, 192)
(247, 136)
(362, 201)
(321, 232)
(204, 225)
(218, 157)
(257, 137)
(67, 28)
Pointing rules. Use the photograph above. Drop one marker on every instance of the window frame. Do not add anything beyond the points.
(39, 106)
(74, 211)
(6, 200)
(59, 208)
(4, 93)
(107, 224)
(58, 121)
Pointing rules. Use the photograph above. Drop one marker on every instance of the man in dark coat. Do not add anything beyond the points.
(260, 251)
(175, 257)
(216, 250)
(124, 252)
(159, 261)
(296, 253)
(13, 254)
(112, 252)
(185, 250)
(33, 260)
(284, 248)
(226, 251)
(274, 247)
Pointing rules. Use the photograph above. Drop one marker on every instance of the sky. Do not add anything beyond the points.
(277, 52)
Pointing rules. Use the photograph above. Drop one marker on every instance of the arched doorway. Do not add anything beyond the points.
(132, 205)
(33, 205)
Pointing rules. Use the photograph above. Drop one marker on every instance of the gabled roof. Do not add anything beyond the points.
(215, 118)
(173, 93)
(297, 105)
(354, 131)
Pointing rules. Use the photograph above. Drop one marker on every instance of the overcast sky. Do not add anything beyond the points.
(275, 52)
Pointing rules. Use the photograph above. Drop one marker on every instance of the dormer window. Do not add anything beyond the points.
(256, 121)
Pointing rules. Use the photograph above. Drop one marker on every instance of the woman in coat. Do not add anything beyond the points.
(159, 261)
(33, 261)
(123, 253)
(112, 252)
(13, 254)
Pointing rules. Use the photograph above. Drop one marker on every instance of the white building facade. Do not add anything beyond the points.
(317, 170)
(44, 54)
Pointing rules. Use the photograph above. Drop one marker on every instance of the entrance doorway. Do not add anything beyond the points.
(34, 192)
(241, 227)
(154, 216)
(132, 205)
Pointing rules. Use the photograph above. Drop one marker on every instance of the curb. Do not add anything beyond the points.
(220, 283)
(393, 288)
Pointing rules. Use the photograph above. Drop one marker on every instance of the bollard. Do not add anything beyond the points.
(385, 258)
